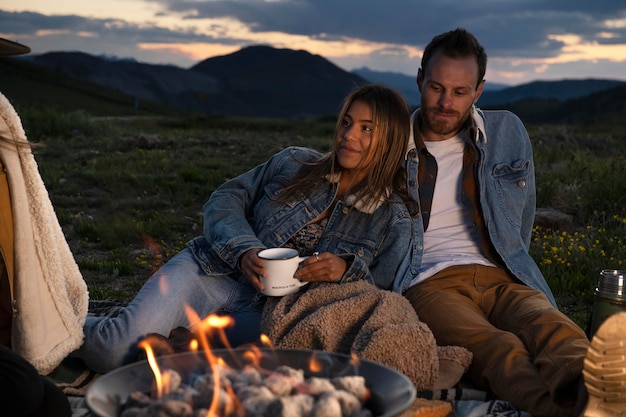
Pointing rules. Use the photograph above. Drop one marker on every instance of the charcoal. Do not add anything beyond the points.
(173, 378)
(279, 384)
(327, 406)
(300, 405)
(349, 403)
(175, 408)
(156, 409)
(354, 384)
(316, 386)
(247, 376)
(252, 393)
(256, 405)
(296, 375)
(258, 391)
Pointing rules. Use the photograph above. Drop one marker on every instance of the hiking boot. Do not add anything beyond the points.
(605, 369)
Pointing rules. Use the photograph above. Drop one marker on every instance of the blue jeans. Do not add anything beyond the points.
(159, 307)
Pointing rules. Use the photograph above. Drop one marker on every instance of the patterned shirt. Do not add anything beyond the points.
(305, 240)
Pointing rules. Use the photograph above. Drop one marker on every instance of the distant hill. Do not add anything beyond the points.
(29, 85)
(169, 85)
(401, 82)
(258, 81)
(494, 94)
(255, 81)
(565, 101)
(265, 81)
(556, 90)
(607, 107)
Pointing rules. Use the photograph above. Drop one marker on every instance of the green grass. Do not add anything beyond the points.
(129, 191)
(580, 171)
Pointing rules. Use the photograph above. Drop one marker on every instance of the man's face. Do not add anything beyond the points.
(449, 89)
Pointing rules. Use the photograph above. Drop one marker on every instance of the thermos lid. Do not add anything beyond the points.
(611, 282)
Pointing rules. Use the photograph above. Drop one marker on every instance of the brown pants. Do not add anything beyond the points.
(525, 351)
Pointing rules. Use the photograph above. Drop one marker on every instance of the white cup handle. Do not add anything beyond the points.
(300, 259)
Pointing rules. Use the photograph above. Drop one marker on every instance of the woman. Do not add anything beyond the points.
(345, 209)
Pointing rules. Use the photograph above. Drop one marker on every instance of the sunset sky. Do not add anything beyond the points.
(526, 40)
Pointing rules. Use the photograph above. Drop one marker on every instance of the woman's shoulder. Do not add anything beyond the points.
(299, 154)
(303, 151)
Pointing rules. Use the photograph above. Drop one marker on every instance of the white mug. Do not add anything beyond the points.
(280, 266)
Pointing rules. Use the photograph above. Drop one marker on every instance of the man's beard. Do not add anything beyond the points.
(443, 127)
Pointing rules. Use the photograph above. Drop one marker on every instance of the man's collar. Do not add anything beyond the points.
(478, 124)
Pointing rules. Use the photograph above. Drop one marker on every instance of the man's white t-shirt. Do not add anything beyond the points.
(449, 239)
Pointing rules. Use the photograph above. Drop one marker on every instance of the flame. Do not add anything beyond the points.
(158, 377)
(265, 340)
(233, 405)
(315, 365)
(212, 325)
(253, 355)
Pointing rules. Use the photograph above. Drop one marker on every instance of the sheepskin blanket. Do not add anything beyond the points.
(50, 295)
(376, 325)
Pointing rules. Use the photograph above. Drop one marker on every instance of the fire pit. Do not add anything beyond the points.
(390, 391)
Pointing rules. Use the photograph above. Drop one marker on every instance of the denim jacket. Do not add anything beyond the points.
(506, 178)
(244, 213)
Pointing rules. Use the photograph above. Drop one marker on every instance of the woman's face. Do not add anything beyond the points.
(355, 136)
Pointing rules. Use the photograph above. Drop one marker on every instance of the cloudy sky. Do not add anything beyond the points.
(526, 40)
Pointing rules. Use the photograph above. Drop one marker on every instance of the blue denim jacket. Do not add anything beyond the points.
(244, 213)
(506, 177)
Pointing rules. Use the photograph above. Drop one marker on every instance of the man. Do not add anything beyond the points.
(475, 283)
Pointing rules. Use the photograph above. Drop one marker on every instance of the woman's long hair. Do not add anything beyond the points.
(383, 162)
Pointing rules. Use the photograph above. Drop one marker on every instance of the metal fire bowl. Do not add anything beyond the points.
(391, 391)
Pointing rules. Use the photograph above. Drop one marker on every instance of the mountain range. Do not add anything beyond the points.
(261, 81)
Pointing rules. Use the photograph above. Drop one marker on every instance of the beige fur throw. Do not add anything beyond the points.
(376, 325)
(50, 295)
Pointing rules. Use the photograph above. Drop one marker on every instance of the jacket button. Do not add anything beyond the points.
(345, 210)
(521, 184)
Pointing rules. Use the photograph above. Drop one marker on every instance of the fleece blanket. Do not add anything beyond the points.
(49, 295)
(376, 325)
